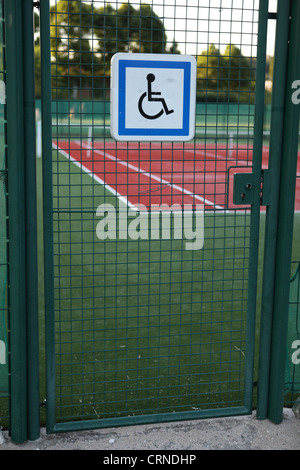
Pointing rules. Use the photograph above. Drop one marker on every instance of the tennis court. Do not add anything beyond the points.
(166, 173)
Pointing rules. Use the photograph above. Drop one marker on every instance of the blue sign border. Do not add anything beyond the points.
(186, 66)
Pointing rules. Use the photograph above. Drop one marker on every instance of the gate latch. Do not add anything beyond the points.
(243, 185)
(243, 188)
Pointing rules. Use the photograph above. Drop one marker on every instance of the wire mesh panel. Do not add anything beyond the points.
(151, 323)
(292, 376)
(292, 379)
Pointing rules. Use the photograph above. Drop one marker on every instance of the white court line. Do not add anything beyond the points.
(151, 176)
(95, 177)
(225, 158)
(216, 156)
(113, 191)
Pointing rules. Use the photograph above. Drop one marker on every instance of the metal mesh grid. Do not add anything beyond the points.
(145, 326)
(292, 378)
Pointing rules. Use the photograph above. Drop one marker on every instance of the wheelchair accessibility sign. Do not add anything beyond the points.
(153, 97)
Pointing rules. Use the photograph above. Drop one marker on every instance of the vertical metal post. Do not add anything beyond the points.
(23, 279)
(275, 154)
(285, 223)
(16, 224)
(255, 214)
(31, 223)
(47, 208)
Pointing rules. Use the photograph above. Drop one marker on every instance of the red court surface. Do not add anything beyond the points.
(169, 173)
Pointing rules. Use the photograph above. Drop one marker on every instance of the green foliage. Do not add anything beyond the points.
(227, 77)
(84, 39)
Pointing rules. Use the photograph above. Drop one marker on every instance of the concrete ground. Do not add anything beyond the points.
(235, 433)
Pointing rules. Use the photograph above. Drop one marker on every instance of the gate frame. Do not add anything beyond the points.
(22, 223)
(284, 232)
(275, 155)
(280, 214)
(246, 409)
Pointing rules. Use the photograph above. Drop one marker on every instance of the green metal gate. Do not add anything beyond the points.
(150, 303)
(142, 329)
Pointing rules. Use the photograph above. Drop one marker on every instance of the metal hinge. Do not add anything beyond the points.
(272, 15)
(265, 188)
(244, 185)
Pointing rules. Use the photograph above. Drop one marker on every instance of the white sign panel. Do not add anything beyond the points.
(153, 97)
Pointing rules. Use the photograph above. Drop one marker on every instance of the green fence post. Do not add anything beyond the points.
(16, 224)
(285, 224)
(276, 139)
(31, 224)
(255, 213)
(47, 207)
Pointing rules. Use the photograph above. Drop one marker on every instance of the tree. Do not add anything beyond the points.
(229, 75)
(174, 48)
(84, 39)
(75, 65)
(210, 66)
(239, 72)
(128, 30)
